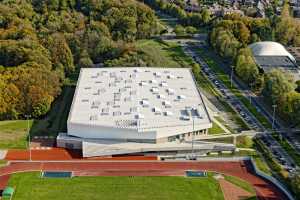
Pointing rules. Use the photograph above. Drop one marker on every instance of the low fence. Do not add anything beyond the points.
(272, 180)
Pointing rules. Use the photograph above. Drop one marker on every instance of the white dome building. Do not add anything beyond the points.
(269, 48)
(272, 55)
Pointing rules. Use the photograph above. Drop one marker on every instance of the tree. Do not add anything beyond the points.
(206, 16)
(85, 60)
(291, 106)
(285, 27)
(277, 84)
(40, 101)
(246, 67)
(179, 30)
(298, 86)
(60, 51)
(191, 30)
(295, 183)
(243, 33)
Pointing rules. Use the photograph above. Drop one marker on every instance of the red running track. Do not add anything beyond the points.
(61, 154)
(243, 170)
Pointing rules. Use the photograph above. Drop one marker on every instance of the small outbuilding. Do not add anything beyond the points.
(8, 193)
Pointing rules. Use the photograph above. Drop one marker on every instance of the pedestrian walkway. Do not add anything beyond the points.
(233, 192)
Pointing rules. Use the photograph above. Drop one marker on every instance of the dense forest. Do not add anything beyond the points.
(231, 36)
(176, 9)
(42, 42)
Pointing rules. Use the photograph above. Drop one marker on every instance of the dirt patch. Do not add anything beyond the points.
(233, 192)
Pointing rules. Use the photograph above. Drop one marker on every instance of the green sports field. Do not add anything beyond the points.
(29, 186)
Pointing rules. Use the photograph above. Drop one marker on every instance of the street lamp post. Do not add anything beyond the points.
(193, 137)
(231, 76)
(28, 132)
(274, 109)
(250, 94)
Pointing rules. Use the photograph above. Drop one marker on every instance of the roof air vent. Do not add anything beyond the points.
(145, 103)
(170, 91)
(168, 113)
(139, 116)
(170, 76)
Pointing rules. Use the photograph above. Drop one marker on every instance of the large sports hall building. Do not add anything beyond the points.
(136, 110)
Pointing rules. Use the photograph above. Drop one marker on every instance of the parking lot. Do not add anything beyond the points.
(226, 93)
(279, 154)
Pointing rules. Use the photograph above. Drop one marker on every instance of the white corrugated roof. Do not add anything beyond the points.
(105, 96)
(269, 48)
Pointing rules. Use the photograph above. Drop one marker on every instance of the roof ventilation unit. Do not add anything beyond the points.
(139, 116)
(186, 118)
(133, 109)
(93, 117)
(154, 90)
(153, 81)
(156, 110)
(157, 74)
(170, 76)
(161, 96)
(127, 99)
(167, 104)
(168, 113)
(145, 103)
(137, 70)
(133, 76)
(170, 91)
(117, 113)
(181, 97)
(143, 83)
(164, 84)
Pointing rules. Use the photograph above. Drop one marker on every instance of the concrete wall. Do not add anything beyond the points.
(161, 135)
(69, 143)
(101, 132)
(273, 180)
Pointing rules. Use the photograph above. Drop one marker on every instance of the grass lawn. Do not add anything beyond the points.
(56, 120)
(13, 133)
(225, 139)
(262, 165)
(158, 53)
(240, 183)
(243, 141)
(3, 163)
(215, 130)
(29, 186)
